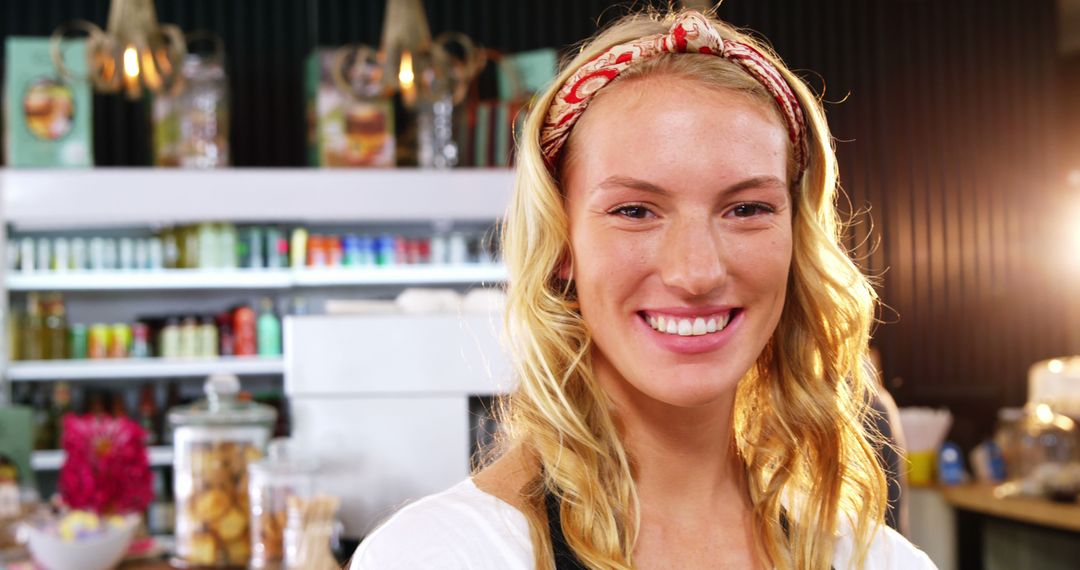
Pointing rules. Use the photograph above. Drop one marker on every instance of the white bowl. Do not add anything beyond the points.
(97, 553)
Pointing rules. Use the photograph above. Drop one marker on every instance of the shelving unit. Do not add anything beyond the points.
(74, 201)
(53, 459)
(139, 368)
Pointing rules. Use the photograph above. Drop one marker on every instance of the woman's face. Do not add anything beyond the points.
(680, 226)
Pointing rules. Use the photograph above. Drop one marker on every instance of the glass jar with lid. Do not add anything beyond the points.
(1048, 453)
(273, 482)
(214, 441)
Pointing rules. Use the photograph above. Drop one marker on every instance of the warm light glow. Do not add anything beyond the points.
(405, 73)
(1055, 366)
(131, 62)
(1044, 413)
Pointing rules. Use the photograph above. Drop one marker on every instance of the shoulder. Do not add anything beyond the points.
(888, 551)
(462, 527)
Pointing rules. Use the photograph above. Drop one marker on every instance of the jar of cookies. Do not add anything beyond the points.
(214, 441)
(272, 481)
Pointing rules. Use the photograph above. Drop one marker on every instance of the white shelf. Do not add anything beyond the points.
(44, 370)
(110, 197)
(188, 279)
(402, 275)
(148, 280)
(53, 459)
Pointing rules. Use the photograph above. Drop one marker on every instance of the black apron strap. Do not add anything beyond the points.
(565, 559)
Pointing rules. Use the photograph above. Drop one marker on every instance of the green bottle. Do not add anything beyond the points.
(268, 329)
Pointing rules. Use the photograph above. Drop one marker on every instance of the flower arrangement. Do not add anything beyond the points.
(107, 470)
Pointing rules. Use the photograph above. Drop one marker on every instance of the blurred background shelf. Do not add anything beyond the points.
(164, 279)
(247, 279)
(137, 368)
(113, 197)
(52, 459)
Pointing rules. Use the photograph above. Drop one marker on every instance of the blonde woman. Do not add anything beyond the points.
(687, 330)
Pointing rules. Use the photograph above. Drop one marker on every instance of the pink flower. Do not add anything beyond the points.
(107, 469)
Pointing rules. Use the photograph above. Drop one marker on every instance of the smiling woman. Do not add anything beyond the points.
(687, 330)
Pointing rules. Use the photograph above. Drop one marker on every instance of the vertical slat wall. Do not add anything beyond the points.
(944, 114)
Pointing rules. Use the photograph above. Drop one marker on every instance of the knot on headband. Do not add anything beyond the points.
(690, 33)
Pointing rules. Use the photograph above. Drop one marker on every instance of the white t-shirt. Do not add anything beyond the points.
(464, 528)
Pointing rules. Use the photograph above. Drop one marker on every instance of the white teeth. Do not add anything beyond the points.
(696, 326)
(699, 326)
(685, 327)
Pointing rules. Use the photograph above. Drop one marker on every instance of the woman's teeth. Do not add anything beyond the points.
(696, 326)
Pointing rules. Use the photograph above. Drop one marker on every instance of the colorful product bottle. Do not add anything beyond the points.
(269, 329)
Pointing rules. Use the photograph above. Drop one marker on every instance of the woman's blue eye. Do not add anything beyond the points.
(636, 212)
(750, 209)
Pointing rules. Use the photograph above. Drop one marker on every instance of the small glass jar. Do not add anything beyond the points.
(272, 483)
(191, 125)
(214, 441)
(1049, 452)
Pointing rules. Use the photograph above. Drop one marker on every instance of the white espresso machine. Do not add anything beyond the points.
(381, 403)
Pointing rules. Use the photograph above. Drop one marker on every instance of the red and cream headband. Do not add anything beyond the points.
(690, 33)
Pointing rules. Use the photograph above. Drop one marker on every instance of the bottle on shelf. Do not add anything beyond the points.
(207, 337)
(78, 339)
(246, 343)
(172, 401)
(97, 341)
(44, 434)
(226, 335)
(118, 405)
(170, 247)
(61, 406)
(148, 414)
(189, 337)
(298, 249)
(169, 339)
(54, 335)
(269, 329)
(140, 340)
(32, 346)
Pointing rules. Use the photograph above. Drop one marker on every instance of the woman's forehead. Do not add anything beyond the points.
(677, 128)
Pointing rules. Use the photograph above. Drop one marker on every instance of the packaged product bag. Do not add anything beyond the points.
(48, 118)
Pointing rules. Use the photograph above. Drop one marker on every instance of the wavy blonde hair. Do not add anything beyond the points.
(798, 421)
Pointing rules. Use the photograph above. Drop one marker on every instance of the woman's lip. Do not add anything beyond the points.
(689, 311)
(693, 344)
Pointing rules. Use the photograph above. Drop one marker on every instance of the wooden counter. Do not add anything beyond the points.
(980, 498)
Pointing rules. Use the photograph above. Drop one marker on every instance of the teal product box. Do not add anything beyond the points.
(48, 118)
(524, 73)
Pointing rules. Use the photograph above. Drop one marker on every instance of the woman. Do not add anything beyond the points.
(686, 327)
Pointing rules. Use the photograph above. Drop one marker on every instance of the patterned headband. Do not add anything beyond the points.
(691, 33)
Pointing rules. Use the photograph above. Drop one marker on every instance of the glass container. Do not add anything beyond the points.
(273, 482)
(214, 441)
(1048, 454)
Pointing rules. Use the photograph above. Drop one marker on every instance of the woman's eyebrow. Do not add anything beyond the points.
(620, 181)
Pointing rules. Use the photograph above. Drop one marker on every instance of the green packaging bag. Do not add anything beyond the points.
(48, 118)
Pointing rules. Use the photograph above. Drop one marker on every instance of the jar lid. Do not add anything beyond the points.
(283, 460)
(221, 406)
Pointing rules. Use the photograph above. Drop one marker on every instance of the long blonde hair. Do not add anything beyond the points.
(798, 412)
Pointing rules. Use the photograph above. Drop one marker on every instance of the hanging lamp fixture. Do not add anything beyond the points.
(409, 61)
(134, 54)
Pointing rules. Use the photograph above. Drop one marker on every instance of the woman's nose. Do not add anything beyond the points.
(693, 258)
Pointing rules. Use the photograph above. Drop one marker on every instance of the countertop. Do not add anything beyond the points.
(980, 498)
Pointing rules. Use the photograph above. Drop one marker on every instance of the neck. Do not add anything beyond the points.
(684, 458)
